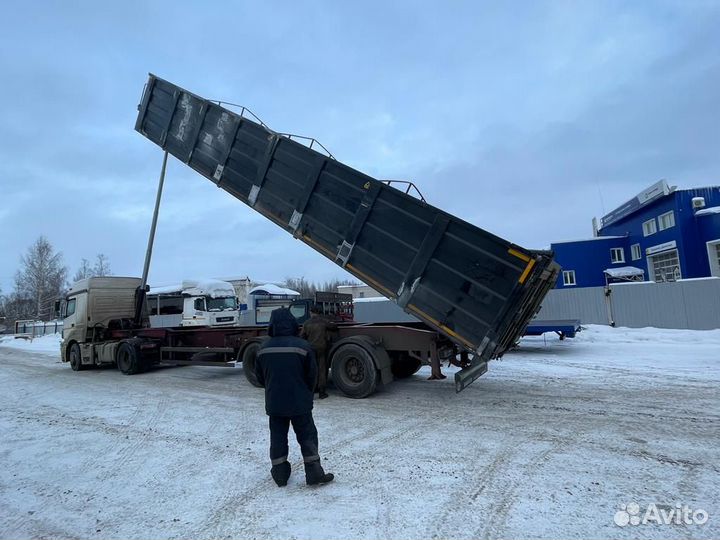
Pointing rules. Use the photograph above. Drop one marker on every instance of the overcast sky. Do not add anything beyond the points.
(524, 118)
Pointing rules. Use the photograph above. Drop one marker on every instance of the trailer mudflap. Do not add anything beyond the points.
(465, 377)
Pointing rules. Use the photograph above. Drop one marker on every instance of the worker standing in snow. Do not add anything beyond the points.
(285, 366)
(317, 330)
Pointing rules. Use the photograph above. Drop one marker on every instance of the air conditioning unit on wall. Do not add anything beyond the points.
(698, 203)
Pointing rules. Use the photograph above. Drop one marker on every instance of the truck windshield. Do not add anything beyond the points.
(222, 304)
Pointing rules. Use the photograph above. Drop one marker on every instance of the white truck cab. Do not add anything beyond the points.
(207, 302)
(263, 300)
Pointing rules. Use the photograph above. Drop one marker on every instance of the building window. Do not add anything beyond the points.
(636, 254)
(666, 220)
(714, 257)
(665, 266)
(617, 255)
(569, 277)
(649, 227)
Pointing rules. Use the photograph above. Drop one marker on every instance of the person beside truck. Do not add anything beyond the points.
(318, 330)
(285, 367)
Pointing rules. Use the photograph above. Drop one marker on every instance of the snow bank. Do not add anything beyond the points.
(49, 344)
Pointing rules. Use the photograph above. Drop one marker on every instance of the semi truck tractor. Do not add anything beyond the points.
(473, 291)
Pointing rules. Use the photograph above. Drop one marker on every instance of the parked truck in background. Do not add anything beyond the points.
(99, 330)
(262, 300)
(207, 302)
(473, 291)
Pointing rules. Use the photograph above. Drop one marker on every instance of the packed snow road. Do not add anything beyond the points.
(549, 443)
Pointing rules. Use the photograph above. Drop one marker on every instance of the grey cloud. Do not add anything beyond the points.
(526, 120)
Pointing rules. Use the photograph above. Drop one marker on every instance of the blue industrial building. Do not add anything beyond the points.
(662, 234)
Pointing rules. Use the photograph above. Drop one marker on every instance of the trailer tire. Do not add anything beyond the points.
(75, 358)
(249, 355)
(353, 370)
(129, 358)
(404, 366)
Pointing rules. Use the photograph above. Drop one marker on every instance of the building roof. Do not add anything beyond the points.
(594, 238)
(649, 195)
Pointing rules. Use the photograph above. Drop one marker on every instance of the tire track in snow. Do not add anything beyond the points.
(507, 495)
(465, 494)
(223, 522)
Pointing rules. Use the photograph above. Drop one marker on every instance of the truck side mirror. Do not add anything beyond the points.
(57, 308)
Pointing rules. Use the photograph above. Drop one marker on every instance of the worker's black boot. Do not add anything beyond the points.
(281, 473)
(315, 475)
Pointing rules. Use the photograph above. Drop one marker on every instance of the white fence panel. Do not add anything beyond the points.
(691, 304)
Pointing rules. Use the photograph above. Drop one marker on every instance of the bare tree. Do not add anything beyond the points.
(100, 269)
(41, 278)
(85, 271)
(16, 307)
(102, 266)
(301, 285)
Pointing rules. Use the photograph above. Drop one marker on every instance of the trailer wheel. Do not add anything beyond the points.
(353, 371)
(404, 365)
(249, 355)
(76, 358)
(128, 358)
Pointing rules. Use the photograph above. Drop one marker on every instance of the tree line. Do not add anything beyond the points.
(307, 289)
(41, 280)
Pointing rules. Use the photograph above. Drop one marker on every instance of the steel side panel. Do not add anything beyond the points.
(475, 287)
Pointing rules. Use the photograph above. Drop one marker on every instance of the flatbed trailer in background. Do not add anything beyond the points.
(563, 328)
(474, 288)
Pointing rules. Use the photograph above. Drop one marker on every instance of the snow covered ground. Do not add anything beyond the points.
(49, 344)
(549, 443)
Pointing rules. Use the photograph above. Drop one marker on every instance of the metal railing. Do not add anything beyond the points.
(405, 186)
(29, 328)
(408, 188)
(310, 142)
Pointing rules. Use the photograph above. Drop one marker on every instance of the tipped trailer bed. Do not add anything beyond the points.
(475, 288)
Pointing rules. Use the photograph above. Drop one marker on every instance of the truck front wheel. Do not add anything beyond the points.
(75, 358)
(353, 371)
(128, 358)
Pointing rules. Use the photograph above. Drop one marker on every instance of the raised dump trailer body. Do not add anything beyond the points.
(474, 287)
